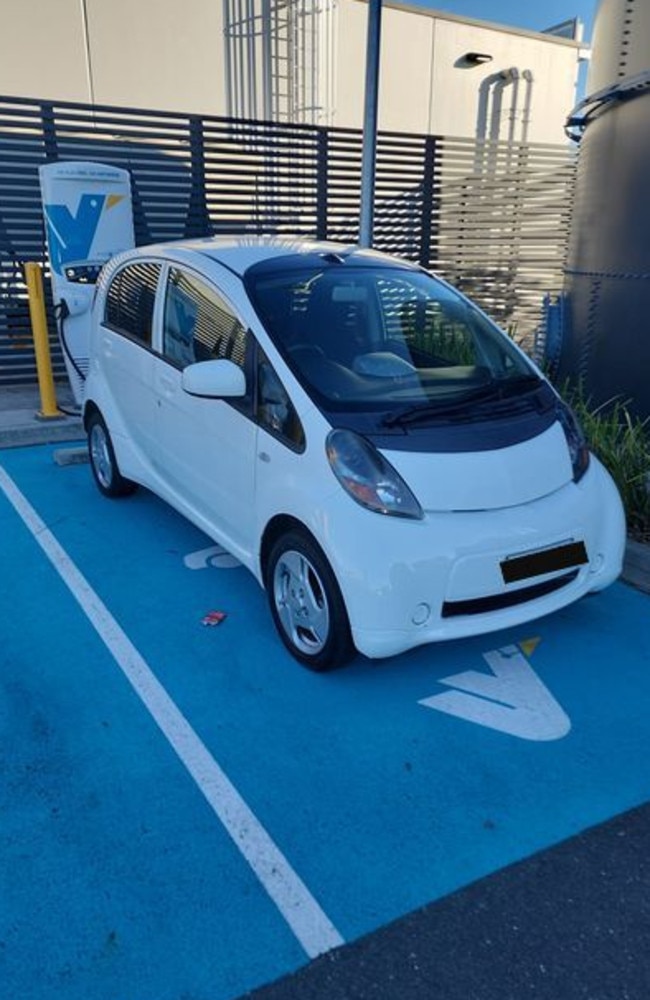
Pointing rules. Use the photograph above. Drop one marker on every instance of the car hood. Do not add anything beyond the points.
(486, 480)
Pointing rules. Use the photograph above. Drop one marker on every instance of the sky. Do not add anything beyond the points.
(533, 14)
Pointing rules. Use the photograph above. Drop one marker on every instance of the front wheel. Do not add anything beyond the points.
(306, 603)
(102, 460)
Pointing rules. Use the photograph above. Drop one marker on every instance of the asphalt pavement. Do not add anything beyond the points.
(570, 923)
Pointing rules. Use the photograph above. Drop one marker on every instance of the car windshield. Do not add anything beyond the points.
(377, 337)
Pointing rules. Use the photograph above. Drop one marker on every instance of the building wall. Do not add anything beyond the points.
(42, 50)
(427, 85)
(158, 54)
(166, 55)
(138, 53)
(465, 98)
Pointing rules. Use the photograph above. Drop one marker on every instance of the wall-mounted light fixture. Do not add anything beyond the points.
(477, 58)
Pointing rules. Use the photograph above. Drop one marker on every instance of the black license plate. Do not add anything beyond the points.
(547, 561)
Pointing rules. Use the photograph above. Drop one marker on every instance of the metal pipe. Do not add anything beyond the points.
(267, 63)
(252, 70)
(369, 157)
(89, 65)
(316, 19)
(513, 77)
(227, 60)
(34, 280)
(241, 68)
(525, 121)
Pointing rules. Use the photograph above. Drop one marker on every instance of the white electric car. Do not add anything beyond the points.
(386, 462)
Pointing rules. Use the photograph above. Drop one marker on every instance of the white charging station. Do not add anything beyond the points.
(88, 219)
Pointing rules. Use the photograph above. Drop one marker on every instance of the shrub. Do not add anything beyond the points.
(622, 443)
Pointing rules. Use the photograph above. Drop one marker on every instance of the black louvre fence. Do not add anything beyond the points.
(491, 217)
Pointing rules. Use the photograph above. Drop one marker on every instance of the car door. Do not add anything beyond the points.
(205, 450)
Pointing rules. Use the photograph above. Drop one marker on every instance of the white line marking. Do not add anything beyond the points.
(309, 923)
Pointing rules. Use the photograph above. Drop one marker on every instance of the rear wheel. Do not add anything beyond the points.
(306, 603)
(102, 461)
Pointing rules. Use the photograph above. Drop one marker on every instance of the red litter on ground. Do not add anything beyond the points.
(213, 618)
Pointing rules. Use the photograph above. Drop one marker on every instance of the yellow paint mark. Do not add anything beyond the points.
(114, 199)
(528, 646)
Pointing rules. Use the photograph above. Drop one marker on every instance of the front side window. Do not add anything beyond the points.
(275, 411)
(198, 325)
(130, 300)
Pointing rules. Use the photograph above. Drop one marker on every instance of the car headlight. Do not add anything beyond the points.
(367, 477)
(575, 439)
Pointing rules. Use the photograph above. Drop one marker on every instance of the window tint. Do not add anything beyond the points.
(130, 300)
(198, 325)
(275, 411)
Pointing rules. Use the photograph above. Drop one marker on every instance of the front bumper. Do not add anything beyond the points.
(399, 578)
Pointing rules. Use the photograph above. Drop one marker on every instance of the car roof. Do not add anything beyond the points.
(240, 252)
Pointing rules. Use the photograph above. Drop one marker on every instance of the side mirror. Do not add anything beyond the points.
(214, 379)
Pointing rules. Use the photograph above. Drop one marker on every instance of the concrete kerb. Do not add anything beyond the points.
(21, 426)
(20, 422)
(636, 568)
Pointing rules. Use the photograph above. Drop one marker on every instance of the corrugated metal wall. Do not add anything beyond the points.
(491, 217)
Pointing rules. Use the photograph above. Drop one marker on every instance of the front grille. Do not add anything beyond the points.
(495, 602)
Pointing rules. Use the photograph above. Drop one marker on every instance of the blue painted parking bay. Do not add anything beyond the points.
(187, 812)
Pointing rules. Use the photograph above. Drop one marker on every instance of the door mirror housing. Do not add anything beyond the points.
(214, 379)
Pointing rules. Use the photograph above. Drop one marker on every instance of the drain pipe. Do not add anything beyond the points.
(512, 76)
(528, 100)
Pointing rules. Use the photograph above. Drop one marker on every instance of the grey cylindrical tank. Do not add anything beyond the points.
(619, 43)
(607, 329)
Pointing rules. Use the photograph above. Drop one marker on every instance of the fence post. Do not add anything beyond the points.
(34, 280)
(428, 201)
(322, 184)
(50, 140)
(198, 217)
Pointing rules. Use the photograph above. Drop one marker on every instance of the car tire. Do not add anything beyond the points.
(306, 603)
(103, 463)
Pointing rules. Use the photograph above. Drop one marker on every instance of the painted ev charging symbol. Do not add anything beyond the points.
(214, 555)
(511, 699)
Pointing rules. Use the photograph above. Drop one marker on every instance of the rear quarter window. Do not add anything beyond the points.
(130, 301)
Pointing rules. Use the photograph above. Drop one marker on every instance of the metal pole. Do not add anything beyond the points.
(34, 280)
(228, 44)
(267, 63)
(89, 64)
(370, 124)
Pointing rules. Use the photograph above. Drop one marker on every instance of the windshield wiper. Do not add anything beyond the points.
(422, 411)
(492, 394)
(518, 385)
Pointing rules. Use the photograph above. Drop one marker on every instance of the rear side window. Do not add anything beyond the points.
(198, 325)
(130, 300)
